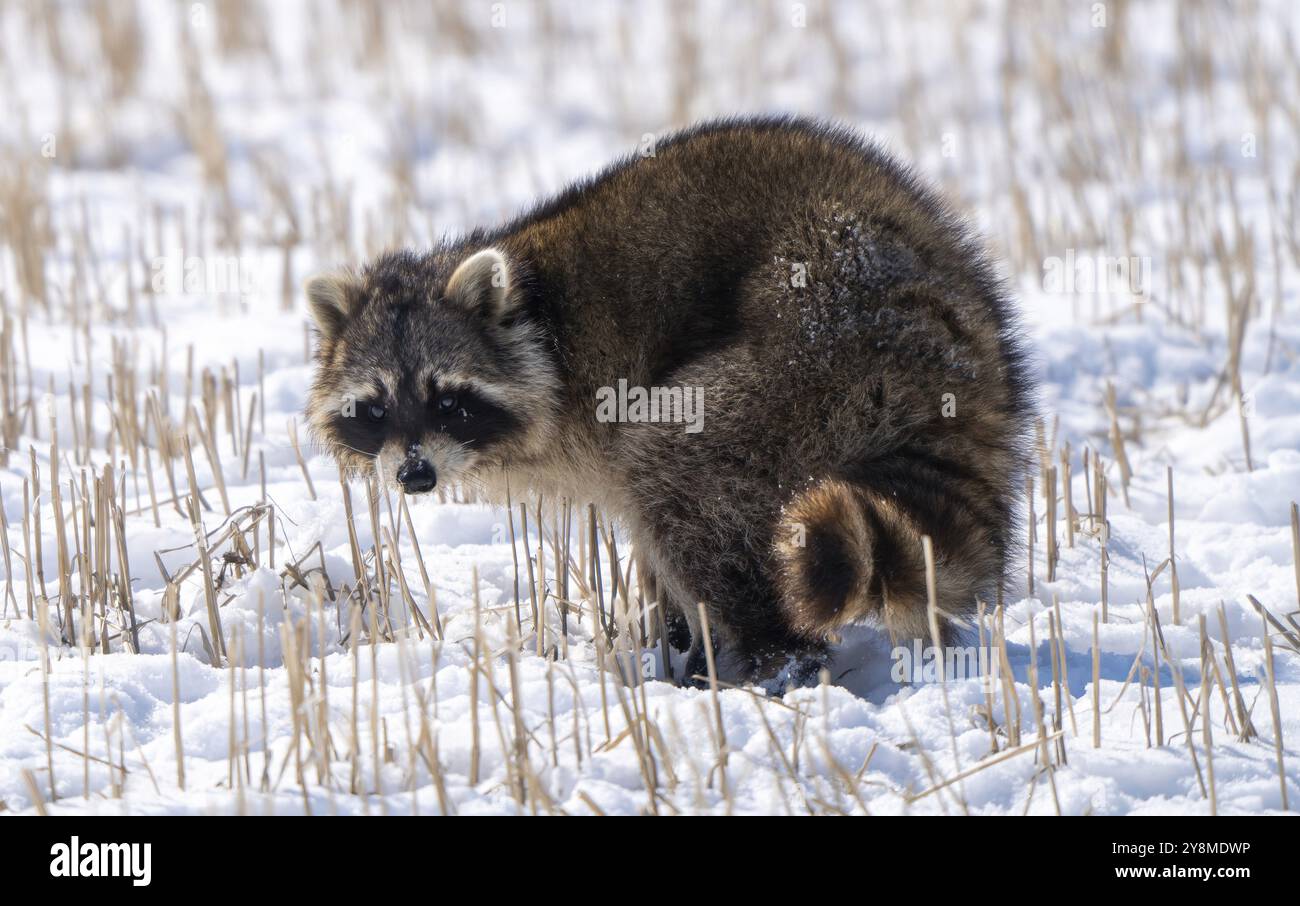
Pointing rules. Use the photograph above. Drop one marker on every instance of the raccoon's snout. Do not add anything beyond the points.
(417, 476)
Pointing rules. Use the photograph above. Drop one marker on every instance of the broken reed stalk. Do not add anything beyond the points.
(1271, 675)
(1173, 557)
(297, 454)
(354, 649)
(1058, 703)
(986, 680)
(1295, 547)
(1246, 727)
(34, 792)
(395, 567)
(1066, 481)
(1117, 441)
(1189, 720)
(431, 594)
(43, 625)
(358, 570)
(9, 569)
(1088, 469)
(1291, 636)
(1049, 496)
(65, 570)
(234, 778)
(126, 597)
(200, 544)
(248, 438)
(153, 494)
(635, 730)
(520, 746)
(1065, 667)
(932, 618)
(593, 571)
(532, 584)
(514, 557)
(475, 659)
(84, 641)
(1030, 523)
(382, 577)
(317, 600)
(1096, 683)
(1044, 752)
(32, 596)
(214, 461)
(984, 764)
(1104, 529)
(539, 592)
(1207, 736)
(717, 703)
(1154, 619)
(176, 709)
(1010, 698)
(563, 565)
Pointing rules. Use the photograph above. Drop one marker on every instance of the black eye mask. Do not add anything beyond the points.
(472, 419)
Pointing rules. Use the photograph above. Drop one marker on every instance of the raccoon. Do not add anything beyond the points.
(856, 364)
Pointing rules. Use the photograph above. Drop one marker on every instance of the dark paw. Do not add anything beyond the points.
(805, 671)
(679, 630)
(696, 671)
(797, 672)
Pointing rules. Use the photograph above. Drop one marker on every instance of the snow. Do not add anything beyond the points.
(537, 118)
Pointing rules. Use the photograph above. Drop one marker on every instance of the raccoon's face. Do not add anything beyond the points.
(427, 368)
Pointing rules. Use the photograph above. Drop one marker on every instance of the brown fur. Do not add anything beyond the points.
(826, 398)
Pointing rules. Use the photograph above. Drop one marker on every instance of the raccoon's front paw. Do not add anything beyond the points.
(679, 629)
(695, 673)
(799, 672)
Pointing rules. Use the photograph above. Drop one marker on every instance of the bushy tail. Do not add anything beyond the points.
(848, 553)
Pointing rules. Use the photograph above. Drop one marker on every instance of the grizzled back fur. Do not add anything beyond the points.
(858, 362)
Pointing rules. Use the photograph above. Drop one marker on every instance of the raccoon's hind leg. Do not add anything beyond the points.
(859, 554)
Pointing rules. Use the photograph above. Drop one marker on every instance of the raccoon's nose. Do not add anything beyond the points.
(417, 476)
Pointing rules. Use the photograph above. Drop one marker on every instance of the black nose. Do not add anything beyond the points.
(417, 476)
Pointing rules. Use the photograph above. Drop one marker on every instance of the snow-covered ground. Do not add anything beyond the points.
(1166, 133)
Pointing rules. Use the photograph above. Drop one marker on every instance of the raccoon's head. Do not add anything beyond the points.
(428, 367)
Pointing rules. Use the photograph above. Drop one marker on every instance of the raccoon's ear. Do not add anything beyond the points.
(482, 283)
(332, 299)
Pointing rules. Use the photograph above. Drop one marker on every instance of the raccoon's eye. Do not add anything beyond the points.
(376, 412)
(447, 403)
